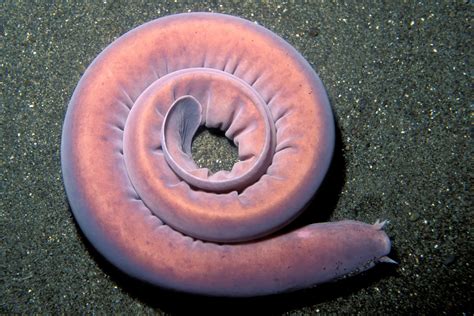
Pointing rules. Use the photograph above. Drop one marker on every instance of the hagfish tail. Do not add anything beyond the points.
(149, 209)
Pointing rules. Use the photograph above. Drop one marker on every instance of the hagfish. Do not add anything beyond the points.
(148, 208)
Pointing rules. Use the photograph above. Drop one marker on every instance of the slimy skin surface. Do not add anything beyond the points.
(149, 209)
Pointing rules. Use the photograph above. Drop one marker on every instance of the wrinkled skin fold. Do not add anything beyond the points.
(144, 204)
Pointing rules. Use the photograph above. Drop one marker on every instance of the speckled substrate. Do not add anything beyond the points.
(398, 79)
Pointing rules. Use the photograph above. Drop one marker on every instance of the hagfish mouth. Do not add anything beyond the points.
(149, 209)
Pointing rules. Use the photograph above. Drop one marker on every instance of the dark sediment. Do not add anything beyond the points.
(398, 76)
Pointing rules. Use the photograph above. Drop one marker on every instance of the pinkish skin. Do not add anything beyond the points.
(127, 167)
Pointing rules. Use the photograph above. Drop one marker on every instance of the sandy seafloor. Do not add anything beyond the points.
(399, 77)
